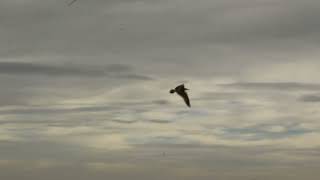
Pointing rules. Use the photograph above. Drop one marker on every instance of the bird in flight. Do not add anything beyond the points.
(73, 1)
(181, 90)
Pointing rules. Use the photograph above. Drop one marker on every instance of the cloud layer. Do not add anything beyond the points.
(84, 89)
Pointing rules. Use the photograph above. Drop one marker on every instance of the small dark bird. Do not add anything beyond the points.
(181, 90)
(73, 1)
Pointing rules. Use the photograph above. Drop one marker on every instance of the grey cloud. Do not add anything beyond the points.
(47, 122)
(248, 31)
(216, 20)
(123, 121)
(113, 70)
(93, 108)
(158, 121)
(12, 97)
(209, 96)
(257, 133)
(24, 82)
(118, 68)
(54, 110)
(273, 86)
(25, 109)
(310, 98)
(134, 77)
(160, 102)
(143, 103)
(40, 69)
(186, 162)
(105, 44)
(282, 19)
(289, 127)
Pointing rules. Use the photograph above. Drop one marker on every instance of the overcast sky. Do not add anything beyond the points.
(85, 89)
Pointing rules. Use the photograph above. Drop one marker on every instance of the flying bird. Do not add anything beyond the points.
(181, 90)
(73, 1)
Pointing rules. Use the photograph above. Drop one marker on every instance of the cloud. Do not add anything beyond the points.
(134, 77)
(55, 110)
(123, 121)
(40, 69)
(118, 68)
(113, 70)
(291, 86)
(159, 121)
(161, 102)
(260, 132)
(310, 98)
(85, 85)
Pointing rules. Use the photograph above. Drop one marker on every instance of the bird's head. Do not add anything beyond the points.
(172, 91)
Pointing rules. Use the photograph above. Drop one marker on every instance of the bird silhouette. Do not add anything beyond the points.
(181, 90)
(70, 3)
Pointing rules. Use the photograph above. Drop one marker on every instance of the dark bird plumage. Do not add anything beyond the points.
(73, 1)
(181, 90)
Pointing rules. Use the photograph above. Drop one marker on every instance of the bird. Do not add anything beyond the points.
(73, 1)
(181, 90)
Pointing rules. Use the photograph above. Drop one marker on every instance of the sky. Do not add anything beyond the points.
(85, 89)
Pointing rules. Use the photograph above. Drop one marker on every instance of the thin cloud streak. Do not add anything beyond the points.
(293, 86)
(113, 70)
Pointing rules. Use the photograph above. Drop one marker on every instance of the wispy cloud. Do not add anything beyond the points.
(292, 86)
(310, 98)
(40, 69)
(119, 71)
(159, 121)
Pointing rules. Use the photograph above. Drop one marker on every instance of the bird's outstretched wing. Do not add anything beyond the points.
(180, 87)
(73, 1)
(185, 97)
